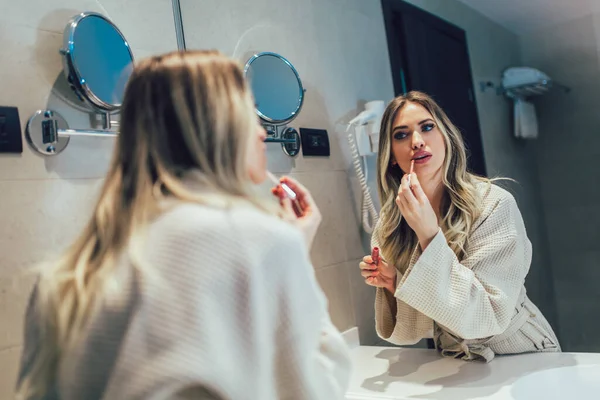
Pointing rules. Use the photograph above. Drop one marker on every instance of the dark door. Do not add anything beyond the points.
(431, 55)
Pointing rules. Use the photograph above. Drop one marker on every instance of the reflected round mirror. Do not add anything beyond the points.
(276, 86)
(97, 60)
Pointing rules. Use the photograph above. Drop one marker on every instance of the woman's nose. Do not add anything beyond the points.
(417, 141)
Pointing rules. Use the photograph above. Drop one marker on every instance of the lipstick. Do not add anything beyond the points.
(289, 193)
(375, 255)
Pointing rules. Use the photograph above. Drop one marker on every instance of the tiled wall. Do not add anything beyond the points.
(492, 49)
(44, 202)
(340, 51)
(567, 153)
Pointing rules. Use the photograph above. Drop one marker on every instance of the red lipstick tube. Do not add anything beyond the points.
(375, 255)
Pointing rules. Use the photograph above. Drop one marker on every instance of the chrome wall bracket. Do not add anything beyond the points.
(48, 132)
(287, 136)
(291, 142)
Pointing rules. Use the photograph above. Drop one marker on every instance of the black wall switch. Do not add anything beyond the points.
(11, 140)
(315, 142)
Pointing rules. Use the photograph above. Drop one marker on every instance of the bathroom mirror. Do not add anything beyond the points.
(279, 95)
(277, 88)
(97, 61)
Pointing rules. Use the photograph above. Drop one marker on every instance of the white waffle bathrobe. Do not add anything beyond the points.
(476, 307)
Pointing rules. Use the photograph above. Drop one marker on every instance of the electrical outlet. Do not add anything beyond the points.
(315, 142)
(11, 140)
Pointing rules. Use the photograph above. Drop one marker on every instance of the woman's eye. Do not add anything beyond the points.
(400, 135)
(427, 127)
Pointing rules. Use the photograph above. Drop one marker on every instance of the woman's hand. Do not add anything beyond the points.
(302, 212)
(378, 275)
(416, 209)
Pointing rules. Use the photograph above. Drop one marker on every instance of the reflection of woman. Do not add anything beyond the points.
(183, 285)
(456, 248)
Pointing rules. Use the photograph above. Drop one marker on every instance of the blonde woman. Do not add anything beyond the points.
(184, 285)
(454, 248)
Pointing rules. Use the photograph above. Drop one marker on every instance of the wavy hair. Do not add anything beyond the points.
(183, 113)
(461, 205)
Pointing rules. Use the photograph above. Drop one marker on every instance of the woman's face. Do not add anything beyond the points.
(257, 155)
(416, 136)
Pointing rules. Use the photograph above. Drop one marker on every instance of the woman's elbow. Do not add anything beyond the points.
(482, 326)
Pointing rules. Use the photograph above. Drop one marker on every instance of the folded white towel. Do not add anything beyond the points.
(526, 125)
(518, 76)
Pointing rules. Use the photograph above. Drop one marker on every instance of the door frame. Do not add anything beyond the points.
(398, 57)
(399, 60)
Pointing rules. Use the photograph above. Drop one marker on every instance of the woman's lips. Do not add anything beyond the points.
(422, 157)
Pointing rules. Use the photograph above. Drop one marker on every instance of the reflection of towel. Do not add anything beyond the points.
(526, 125)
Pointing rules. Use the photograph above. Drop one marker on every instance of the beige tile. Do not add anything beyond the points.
(334, 86)
(243, 28)
(145, 24)
(46, 15)
(363, 303)
(32, 75)
(40, 218)
(140, 53)
(357, 193)
(30, 64)
(278, 162)
(218, 29)
(32, 72)
(338, 238)
(148, 24)
(9, 360)
(334, 282)
(329, 246)
(14, 295)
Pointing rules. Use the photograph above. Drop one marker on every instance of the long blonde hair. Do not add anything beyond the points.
(462, 201)
(182, 112)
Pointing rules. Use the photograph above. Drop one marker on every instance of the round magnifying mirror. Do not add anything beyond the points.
(97, 61)
(276, 86)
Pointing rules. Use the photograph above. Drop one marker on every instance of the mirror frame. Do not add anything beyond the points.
(264, 117)
(72, 73)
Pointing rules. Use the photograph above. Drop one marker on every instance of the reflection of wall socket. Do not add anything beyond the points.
(11, 140)
(315, 142)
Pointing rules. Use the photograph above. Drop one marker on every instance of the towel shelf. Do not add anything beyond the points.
(535, 89)
(524, 91)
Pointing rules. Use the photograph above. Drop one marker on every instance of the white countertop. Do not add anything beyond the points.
(400, 373)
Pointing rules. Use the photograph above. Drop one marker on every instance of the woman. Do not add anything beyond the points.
(456, 248)
(184, 284)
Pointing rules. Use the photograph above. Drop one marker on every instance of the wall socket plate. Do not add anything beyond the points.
(315, 142)
(11, 140)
